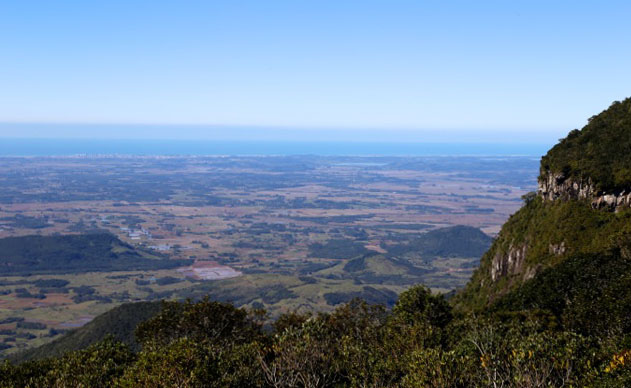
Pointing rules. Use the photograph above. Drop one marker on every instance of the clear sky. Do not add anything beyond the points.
(446, 68)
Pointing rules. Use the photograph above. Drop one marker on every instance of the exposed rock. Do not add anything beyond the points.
(531, 272)
(508, 263)
(555, 186)
(557, 249)
(513, 261)
(612, 201)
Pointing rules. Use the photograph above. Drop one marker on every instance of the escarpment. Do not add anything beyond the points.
(553, 186)
(593, 164)
(582, 207)
(507, 263)
(556, 186)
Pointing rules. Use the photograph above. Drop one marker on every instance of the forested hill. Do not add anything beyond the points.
(118, 324)
(30, 255)
(600, 152)
(561, 230)
(549, 306)
(453, 241)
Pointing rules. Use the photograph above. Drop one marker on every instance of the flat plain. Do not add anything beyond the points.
(274, 232)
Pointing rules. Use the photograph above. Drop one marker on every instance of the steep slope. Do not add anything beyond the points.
(120, 323)
(452, 241)
(581, 211)
(552, 303)
(593, 163)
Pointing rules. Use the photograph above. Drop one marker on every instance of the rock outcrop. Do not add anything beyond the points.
(558, 249)
(583, 180)
(508, 263)
(555, 186)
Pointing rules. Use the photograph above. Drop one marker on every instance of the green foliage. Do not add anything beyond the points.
(119, 323)
(521, 355)
(99, 365)
(289, 320)
(167, 280)
(304, 356)
(96, 366)
(337, 249)
(240, 292)
(357, 345)
(568, 323)
(346, 347)
(370, 294)
(529, 197)
(417, 304)
(538, 226)
(74, 253)
(31, 325)
(187, 363)
(51, 283)
(600, 151)
(21, 221)
(453, 241)
(203, 321)
(590, 294)
(431, 367)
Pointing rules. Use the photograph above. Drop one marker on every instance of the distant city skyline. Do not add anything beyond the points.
(310, 71)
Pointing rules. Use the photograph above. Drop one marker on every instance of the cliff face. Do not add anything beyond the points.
(581, 208)
(553, 186)
(508, 263)
(556, 186)
(593, 161)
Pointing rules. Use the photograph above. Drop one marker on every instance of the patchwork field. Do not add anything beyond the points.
(281, 233)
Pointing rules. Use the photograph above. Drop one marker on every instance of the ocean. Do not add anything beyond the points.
(69, 147)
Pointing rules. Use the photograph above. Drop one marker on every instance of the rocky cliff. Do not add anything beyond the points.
(556, 186)
(507, 263)
(582, 208)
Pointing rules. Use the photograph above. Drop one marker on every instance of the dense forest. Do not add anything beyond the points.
(421, 342)
(549, 306)
(29, 255)
(600, 151)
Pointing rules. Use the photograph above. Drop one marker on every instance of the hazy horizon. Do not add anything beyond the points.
(271, 133)
(168, 147)
(324, 70)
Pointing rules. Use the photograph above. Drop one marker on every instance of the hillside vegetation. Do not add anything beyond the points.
(453, 241)
(117, 324)
(421, 342)
(549, 306)
(30, 255)
(600, 151)
(547, 233)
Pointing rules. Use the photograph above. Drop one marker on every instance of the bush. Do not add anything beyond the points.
(51, 283)
(167, 280)
(417, 304)
(31, 325)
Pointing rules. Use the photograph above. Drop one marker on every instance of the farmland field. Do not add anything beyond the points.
(284, 233)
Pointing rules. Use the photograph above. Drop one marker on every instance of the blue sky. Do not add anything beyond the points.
(368, 69)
